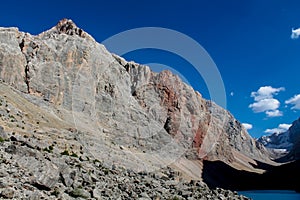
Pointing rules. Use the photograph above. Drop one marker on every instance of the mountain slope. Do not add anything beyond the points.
(115, 111)
(41, 158)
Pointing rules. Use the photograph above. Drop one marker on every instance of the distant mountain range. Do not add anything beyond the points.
(67, 104)
(284, 145)
(284, 148)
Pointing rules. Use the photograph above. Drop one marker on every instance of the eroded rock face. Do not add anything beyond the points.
(12, 60)
(123, 111)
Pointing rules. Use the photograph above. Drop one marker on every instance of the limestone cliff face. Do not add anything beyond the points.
(12, 60)
(122, 111)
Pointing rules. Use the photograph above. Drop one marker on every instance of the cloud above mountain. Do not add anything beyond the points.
(280, 129)
(266, 92)
(264, 101)
(247, 126)
(265, 105)
(295, 101)
(274, 113)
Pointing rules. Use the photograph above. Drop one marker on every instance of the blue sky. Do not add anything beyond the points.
(249, 41)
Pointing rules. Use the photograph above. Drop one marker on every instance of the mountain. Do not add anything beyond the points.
(285, 145)
(280, 141)
(284, 148)
(72, 112)
(294, 130)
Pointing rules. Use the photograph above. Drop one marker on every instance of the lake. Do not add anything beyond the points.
(271, 194)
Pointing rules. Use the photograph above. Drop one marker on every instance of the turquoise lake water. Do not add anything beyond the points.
(271, 194)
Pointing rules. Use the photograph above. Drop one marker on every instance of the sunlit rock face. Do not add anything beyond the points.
(121, 111)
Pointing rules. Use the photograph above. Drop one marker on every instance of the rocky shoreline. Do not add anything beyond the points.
(51, 175)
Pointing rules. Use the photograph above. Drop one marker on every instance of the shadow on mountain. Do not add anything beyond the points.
(284, 177)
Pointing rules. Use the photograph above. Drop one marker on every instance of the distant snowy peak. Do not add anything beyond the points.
(277, 141)
(283, 141)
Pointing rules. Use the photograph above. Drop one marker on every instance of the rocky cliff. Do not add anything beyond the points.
(63, 92)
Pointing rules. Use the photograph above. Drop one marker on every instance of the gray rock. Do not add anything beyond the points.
(3, 173)
(3, 134)
(45, 174)
(81, 193)
(12, 149)
(68, 176)
(7, 193)
(2, 184)
(97, 194)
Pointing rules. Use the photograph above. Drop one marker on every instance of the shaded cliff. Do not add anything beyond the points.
(283, 177)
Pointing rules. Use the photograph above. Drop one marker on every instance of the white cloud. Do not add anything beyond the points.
(265, 105)
(232, 94)
(294, 101)
(285, 126)
(295, 33)
(280, 129)
(264, 101)
(247, 126)
(274, 113)
(266, 92)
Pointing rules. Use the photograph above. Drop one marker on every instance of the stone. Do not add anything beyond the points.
(12, 149)
(3, 173)
(2, 184)
(78, 192)
(7, 193)
(97, 194)
(68, 176)
(3, 134)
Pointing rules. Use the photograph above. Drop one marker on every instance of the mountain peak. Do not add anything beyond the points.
(68, 27)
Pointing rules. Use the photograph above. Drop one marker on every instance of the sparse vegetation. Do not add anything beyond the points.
(96, 161)
(74, 155)
(49, 149)
(65, 152)
(55, 192)
(79, 165)
(105, 170)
